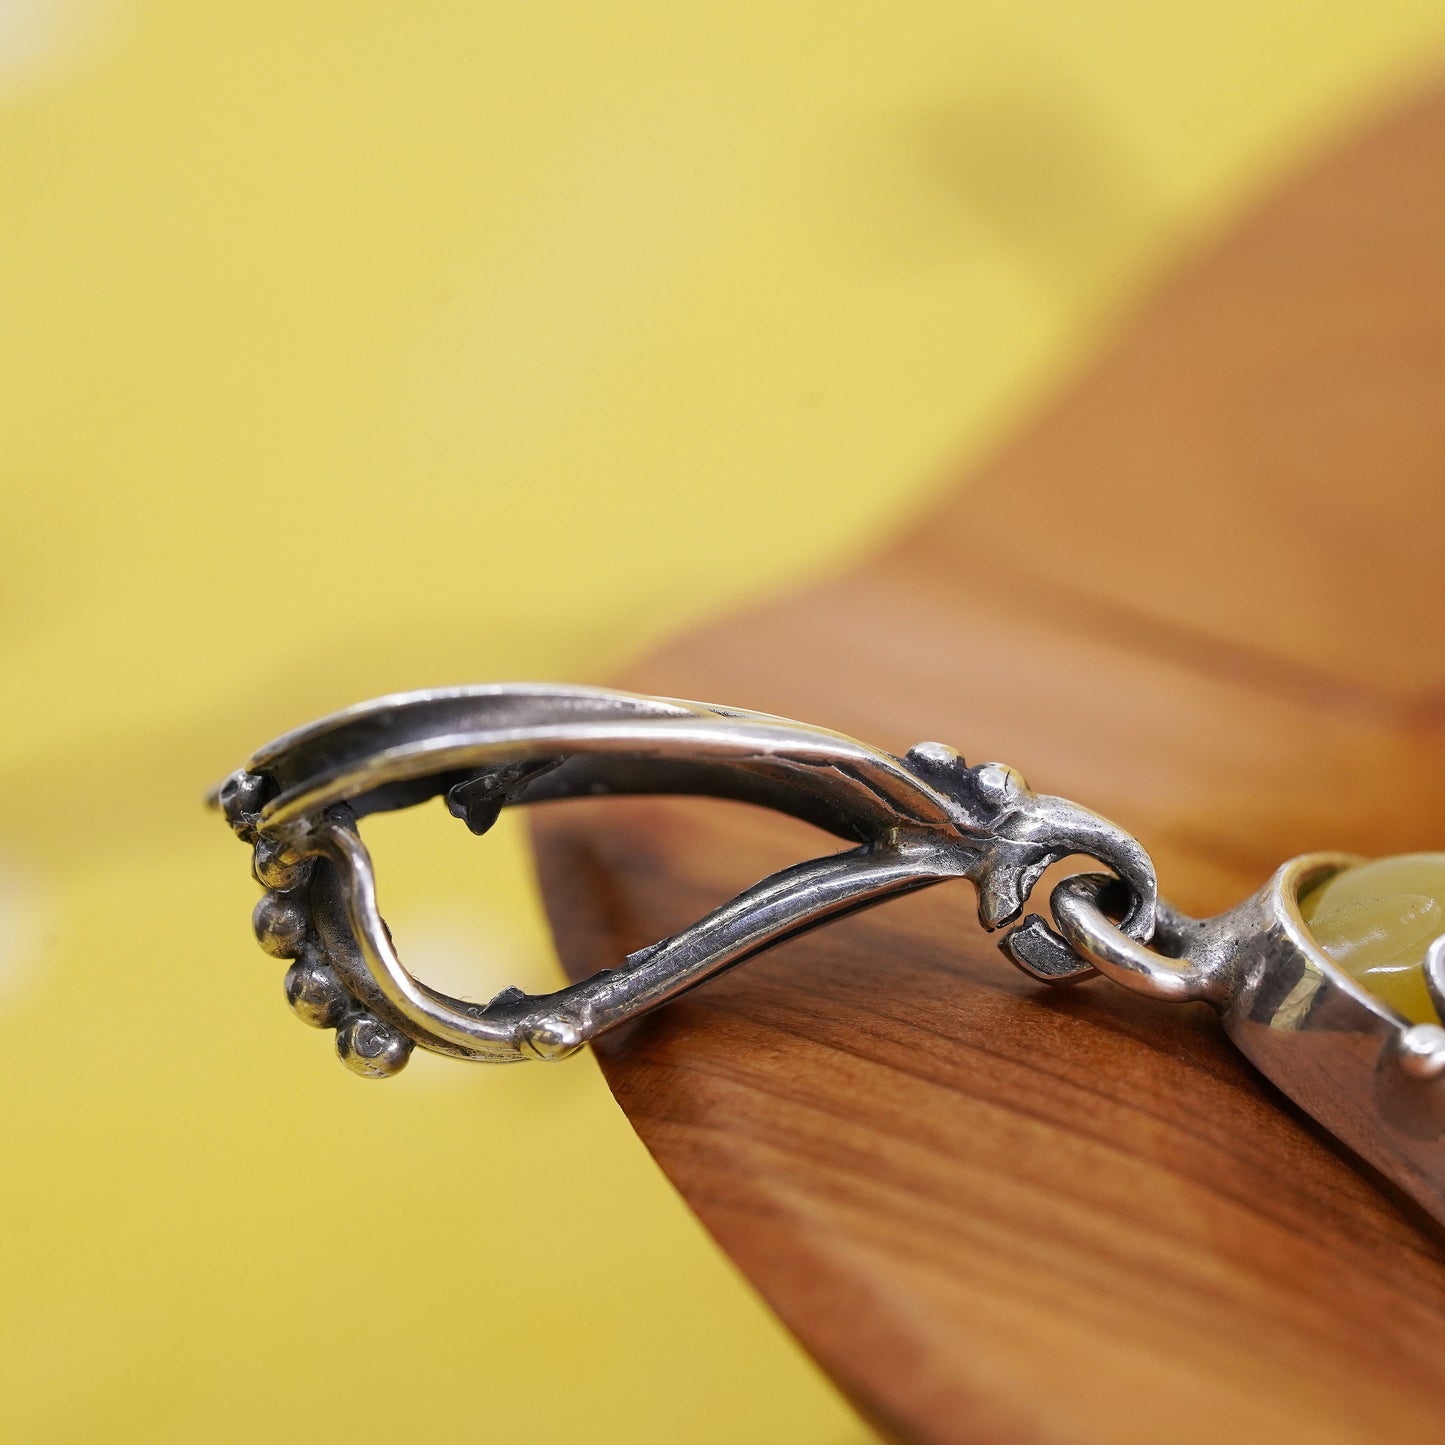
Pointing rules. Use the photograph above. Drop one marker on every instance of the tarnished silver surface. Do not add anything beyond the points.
(915, 820)
(1371, 1077)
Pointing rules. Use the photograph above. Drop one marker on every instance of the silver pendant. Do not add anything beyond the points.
(1366, 1073)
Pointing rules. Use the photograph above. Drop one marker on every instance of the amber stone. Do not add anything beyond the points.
(1377, 920)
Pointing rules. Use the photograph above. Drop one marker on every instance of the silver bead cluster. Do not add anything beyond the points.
(367, 1045)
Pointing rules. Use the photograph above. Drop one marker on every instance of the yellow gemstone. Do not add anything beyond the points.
(1377, 920)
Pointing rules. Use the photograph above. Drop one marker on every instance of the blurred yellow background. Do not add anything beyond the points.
(350, 348)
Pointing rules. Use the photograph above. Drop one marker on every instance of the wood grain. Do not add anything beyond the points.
(1202, 594)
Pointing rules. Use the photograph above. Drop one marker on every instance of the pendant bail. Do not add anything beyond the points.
(915, 821)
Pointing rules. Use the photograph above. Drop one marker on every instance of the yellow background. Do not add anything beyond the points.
(349, 348)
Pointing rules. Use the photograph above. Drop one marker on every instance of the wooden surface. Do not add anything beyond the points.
(1202, 594)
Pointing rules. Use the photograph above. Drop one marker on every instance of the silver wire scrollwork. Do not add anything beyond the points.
(914, 820)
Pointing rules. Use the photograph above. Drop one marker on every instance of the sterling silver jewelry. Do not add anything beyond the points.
(1365, 1072)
